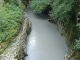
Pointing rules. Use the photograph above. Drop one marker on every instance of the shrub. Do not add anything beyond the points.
(77, 45)
(61, 9)
(40, 5)
(11, 17)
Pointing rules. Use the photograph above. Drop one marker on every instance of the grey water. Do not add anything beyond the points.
(45, 41)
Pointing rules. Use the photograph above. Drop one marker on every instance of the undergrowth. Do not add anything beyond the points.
(11, 17)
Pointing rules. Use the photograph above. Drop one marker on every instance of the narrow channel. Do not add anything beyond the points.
(45, 42)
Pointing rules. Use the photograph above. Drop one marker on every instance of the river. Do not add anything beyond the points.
(45, 41)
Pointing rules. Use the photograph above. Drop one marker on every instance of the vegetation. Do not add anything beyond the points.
(40, 5)
(11, 17)
(68, 13)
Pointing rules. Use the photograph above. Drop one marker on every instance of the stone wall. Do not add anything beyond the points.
(16, 50)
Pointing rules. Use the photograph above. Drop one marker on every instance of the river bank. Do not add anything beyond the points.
(17, 49)
(45, 41)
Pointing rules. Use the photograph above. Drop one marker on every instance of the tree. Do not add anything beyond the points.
(64, 11)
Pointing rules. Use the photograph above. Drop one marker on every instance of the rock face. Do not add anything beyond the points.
(64, 33)
(16, 50)
(1, 1)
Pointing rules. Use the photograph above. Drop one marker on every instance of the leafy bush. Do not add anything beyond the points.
(77, 45)
(61, 9)
(13, 1)
(11, 17)
(40, 5)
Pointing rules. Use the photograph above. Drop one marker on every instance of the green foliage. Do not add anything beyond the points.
(78, 26)
(12, 1)
(11, 17)
(6, 0)
(61, 9)
(78, 19)
(40, 5)
(77, 45)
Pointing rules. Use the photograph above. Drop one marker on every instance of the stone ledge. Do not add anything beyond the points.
(16, 51)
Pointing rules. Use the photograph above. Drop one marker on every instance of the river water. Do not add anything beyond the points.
(45, 42)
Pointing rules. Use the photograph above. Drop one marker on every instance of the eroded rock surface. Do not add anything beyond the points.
(16, 50)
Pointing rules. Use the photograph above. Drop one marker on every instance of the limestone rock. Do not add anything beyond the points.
(16, 51)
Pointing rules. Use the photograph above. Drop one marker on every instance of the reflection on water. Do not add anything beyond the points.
(32, 42)
(45, 41)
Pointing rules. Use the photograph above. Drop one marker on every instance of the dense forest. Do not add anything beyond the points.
(11, 17)
(66, 12)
